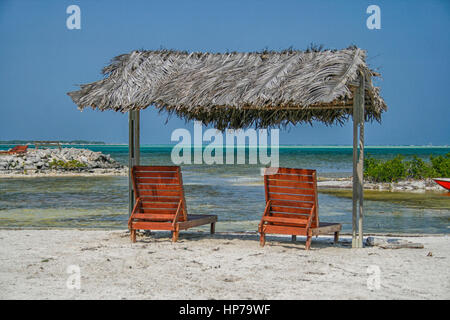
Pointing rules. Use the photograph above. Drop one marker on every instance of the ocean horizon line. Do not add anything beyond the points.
(252, 146)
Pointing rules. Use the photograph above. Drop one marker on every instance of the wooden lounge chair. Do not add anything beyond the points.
(160, 203)
(15, 150)
(292, 205)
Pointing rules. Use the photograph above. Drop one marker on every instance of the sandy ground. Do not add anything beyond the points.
(34, 265)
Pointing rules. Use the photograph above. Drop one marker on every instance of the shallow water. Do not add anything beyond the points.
(233, 192)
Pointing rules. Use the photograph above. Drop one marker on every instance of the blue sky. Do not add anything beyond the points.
(40, 60)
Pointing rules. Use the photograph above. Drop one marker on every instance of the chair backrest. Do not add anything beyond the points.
(161, 189)
(18, 149)
(293, 193)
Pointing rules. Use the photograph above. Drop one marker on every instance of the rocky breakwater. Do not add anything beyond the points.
(411, 185)
(67, 161)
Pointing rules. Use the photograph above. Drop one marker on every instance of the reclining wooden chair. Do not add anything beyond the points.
(15, 150)
(160, 203)
(292, 205)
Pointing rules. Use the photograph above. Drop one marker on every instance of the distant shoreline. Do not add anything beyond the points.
(284, 146)
(66, 142)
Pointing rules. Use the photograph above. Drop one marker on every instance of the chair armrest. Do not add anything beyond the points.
(266, 211)
(308, 224)
(135, 208)
(177, 214)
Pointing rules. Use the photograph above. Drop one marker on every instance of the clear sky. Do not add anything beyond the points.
(41, 59)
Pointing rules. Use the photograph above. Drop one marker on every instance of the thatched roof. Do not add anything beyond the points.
(235, 90)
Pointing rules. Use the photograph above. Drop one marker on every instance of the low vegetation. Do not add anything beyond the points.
(71, 164)
(399, 169)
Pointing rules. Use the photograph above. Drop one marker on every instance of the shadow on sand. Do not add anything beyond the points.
(227, 237)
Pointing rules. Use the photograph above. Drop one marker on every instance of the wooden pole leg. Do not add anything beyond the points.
(294, 238)
(213, 228)
(336, 237)
(133, 235)
(262, 239)
(308, 242)
(175, 236)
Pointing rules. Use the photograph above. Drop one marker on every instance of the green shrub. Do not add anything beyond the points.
(385, 171)
(396, 169)
(419, 169)
(71, 164)
(441, 165)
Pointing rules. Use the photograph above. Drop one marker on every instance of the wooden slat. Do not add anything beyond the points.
(291, 190)
(295, 204)
(267, 228)
(293, 197)
(326, 228)
(152, 225)
(289, 215)
(159, 198)
(292, 184)
(161, 217)
(197, 220)
(157, 192)
(158, 210)
(148, 199)
(293, 171)
(159, 187)
(290, 210)
(284, 220)
(155, 168)
(285, 211)
(165, 205)
(286, 177)
(157, 180)
(156, 174)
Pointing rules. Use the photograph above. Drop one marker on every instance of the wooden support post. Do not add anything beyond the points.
(358, 165)
(133, 152)
(336, 237)
(308, 242)
(262, 239)
(355, 188)
(361, 169)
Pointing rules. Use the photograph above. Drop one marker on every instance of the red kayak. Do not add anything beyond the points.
(443, 182)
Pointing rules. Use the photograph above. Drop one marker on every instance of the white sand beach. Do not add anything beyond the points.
(33, 265)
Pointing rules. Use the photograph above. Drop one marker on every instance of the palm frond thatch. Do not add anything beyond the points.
(237, 90)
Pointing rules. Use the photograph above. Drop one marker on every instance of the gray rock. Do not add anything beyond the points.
(392, 243)
(41, 159)
(39, 165)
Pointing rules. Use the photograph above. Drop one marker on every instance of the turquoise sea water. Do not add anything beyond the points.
(234, 192)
